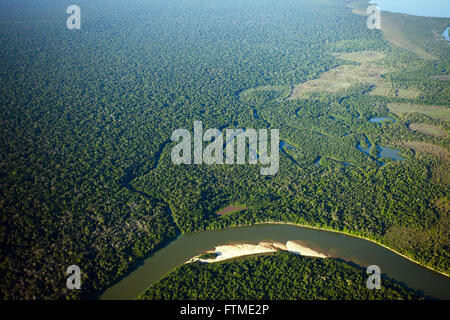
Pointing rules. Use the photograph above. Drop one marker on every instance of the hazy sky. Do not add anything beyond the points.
(427, 8)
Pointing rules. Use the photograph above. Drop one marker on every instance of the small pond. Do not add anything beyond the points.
(380, 120)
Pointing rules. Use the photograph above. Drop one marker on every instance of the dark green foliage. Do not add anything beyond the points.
(208, 256)
(87, 115)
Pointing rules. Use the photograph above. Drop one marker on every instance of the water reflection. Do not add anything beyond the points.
(380, 120)
(383, 152)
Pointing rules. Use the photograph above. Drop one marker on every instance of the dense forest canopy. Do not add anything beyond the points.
(86, 117)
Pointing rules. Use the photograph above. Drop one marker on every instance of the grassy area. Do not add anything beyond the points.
(426, 148)
(428, 129)
(231, 209)
(387, 91)
(367, 72)
(318, 85)
(436, 112)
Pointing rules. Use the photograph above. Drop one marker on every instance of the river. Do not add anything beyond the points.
(347, 248)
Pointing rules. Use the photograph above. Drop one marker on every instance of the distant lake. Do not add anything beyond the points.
(424, 8)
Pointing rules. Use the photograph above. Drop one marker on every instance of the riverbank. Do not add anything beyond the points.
(338, 232)
(355, 236)
(337, 245)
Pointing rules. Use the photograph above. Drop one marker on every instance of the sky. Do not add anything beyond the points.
(426, 8)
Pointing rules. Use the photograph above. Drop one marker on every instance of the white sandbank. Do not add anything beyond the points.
(231, 251)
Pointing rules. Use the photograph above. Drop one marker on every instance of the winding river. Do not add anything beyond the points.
(347, 248)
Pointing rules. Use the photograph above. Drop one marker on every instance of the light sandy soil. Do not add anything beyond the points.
(231, 251)
(297, 248)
